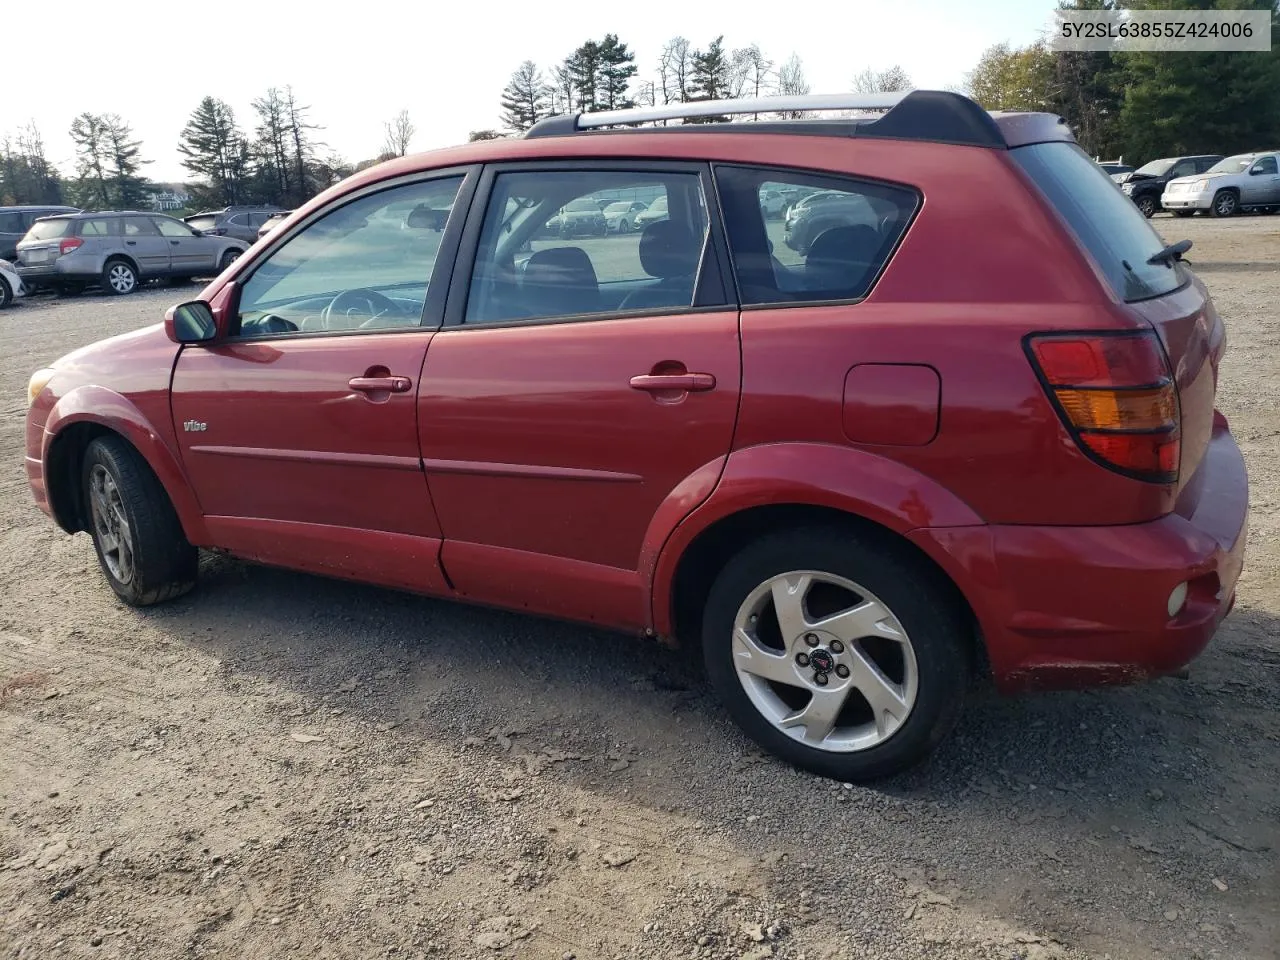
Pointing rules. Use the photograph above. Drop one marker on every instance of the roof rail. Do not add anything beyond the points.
(935, 115)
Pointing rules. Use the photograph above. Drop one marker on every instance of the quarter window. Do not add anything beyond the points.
(363, 266)
(798, 238)
(547, 249)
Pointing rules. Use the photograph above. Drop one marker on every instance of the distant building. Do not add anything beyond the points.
(168, 197)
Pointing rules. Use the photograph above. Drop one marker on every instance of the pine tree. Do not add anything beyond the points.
(215, 150)
(125, 163)
(88, 132)
(526, 98)
(710, 77)
(583, 66)
(272, 170)
(302, 150)
(617, 68)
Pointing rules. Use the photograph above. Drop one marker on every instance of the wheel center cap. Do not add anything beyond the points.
(822, 660)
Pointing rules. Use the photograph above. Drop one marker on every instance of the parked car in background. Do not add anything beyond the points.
(16, 221)
(1145, 185)
(241, 222)
(655, 211)
(11, 285)
(1115, 169)
(273, 220)
(1246, 181)
(620, 216)
(118, 250)
(580, 218)
(819, 212)
(849, 480)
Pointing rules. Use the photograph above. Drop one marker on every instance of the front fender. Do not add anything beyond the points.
(98, 405)
(849, 479)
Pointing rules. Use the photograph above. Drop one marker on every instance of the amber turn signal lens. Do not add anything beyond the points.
(1155, 409)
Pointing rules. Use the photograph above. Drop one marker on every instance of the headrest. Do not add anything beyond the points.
(669, 250)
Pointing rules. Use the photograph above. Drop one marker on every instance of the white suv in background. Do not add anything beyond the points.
(1245, 181)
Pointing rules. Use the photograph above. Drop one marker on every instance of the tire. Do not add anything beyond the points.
(6, 294)
(921, 649)
(1226, 203)
(1147, 204)
(227, 259)
(141, 548)
(119, 278)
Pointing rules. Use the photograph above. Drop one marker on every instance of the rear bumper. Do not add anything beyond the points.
(1063, 607)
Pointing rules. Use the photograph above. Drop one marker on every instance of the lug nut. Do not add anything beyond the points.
(842, 671)
(811, 639)
(820, 679)
(802, 659)
(837, 646)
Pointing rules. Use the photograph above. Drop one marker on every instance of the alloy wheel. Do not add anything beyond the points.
(110, 524)
(121, 277)
(825, 661)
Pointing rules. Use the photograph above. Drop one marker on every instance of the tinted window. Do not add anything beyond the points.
(48, 229)
(831, 243)
(1105, 222)
(533, 263)
(1183, 168)
(240, 219)
(140, 227)
(10, 223)
(1265, 165)
(172, 228)
(100, 227)
(365, 265)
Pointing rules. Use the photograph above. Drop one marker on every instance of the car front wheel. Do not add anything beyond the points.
(1147, 204)
(843, 656)
(1226, 204)
(228, 258)
(141, 548)
(6, 295)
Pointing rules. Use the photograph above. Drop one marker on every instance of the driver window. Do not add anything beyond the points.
(172, 228)
(1265, 165)
(363, 266)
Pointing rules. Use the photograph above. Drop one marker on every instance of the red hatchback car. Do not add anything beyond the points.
(973, 423)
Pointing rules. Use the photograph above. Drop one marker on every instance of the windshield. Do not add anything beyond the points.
(583, 206)
(202, 223)
(1104, 220)
(1232, 164)
(1156, 168)
(48, 229)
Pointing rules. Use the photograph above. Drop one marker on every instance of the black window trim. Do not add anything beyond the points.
(781, 171)
(437, 281)
(711, 284)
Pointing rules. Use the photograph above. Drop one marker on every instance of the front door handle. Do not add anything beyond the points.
(674, 381)
(174, 242)
(380, 384)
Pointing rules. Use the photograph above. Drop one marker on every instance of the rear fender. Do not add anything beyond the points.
(851, 480)
(106, 408)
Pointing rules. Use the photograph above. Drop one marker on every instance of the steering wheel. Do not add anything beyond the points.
(272, 323)
(359, 301)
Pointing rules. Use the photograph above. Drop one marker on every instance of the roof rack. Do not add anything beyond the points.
(935, 115)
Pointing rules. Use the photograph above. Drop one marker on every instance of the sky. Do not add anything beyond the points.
(358, 64)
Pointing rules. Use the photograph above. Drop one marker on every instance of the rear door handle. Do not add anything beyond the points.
(132, 243)
(674, 381)
(175, 242)
(375, 384)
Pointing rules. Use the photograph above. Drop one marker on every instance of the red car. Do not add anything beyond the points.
(973, 423)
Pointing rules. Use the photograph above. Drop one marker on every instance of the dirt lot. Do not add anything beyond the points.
(283, 766)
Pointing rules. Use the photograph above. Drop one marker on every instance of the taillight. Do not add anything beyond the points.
(1117, 396)
(69, 244)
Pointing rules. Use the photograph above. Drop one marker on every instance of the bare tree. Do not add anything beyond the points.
(675, 70)
(399, 134)
(892, 80)
(792, 83)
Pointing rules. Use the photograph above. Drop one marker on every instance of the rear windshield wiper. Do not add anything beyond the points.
(1172, 252)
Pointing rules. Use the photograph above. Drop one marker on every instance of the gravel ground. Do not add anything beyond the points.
(283, 766)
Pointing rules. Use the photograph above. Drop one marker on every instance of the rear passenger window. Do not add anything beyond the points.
(140, 227)
(548, 250)
(11, 223)
(95, 228)
(799, 238)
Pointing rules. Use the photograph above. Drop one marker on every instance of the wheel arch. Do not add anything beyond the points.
(109, 258)
(77, 420)
(776, 486)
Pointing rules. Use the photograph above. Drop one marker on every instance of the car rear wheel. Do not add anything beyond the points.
(119, 278)
(1226, 204)
(1147, 204)
(6, 294)
(841, 655)
(141, 548)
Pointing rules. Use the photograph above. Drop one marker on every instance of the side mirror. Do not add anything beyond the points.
(191, 322)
